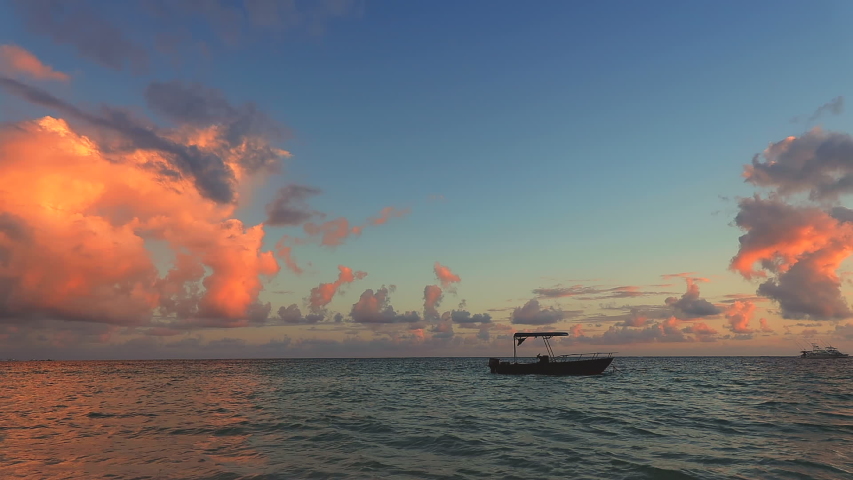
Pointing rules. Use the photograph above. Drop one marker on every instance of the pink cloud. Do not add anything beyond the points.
(375, 308)
(765, 326)
(334, 232)
(285, 252)
(691, 304)
(387, 213)
(739, 315)
(14, 59)
(801, 249)
(445, 276)
(322, 294)
(75, 228)
(432, 299)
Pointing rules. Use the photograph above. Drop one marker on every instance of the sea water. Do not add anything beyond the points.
(426, 418)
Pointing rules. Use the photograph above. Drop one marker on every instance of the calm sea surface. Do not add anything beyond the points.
(658, 418)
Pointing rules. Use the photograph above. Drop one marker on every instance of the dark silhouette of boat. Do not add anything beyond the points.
(818, 352)
(574, 364)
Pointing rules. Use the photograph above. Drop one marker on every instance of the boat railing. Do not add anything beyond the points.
(586, 356)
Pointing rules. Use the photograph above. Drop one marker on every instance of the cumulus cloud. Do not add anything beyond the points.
(690, 304)
(703, 332)
(322, 294)
(801, 248)
(210, 160)
(375, 308)
(432, 300)
(665, 331)
(445, 276)
(738, 316)
(16, 60)
(532, 314)
(289, 206)
(291, 315)
(818, 162)
(465, 317)
(75, 228)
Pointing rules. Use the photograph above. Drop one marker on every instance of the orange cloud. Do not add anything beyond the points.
(387, 213)
(75, 227)
(739, 315)
(445, 275)
(322, 294)
(14, 59)
(432, 299)
(285, 253)
(802, 248)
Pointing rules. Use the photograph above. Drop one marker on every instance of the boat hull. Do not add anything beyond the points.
(595, 366)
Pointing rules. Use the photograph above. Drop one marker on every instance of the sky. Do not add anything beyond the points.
(342, 178)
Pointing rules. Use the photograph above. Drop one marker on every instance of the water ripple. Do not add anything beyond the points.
(660, 418)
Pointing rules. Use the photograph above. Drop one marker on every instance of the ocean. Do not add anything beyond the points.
(426, 418)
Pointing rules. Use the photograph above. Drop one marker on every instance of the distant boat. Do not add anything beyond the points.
(575, 364)
(819, 352)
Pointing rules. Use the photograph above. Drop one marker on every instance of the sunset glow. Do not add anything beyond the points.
(330, 184)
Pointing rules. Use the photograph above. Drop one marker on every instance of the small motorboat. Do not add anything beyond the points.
(550, 364)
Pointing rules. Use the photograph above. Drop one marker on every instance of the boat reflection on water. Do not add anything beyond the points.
(550, 364)
(820, 352)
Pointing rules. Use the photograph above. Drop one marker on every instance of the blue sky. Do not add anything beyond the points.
(597, 141)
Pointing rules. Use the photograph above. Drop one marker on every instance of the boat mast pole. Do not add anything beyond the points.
(513, 351)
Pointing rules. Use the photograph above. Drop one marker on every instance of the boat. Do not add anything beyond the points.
(819, 352)
(550, 364)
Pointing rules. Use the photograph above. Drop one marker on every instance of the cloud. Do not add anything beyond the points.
(635, 319)
(801, 247)
(432, 300)
(832, 107)
(532, 314)
(285, 252)
(465, 317)
(15, 60)
(375, 308)
(665, 331)
(243, 128)
(289, 207)
(235, 22)
(702, 332)
(74, 231)
(594, 292)
(388, 213)
(78, 24)
(844, 331)
(445, 276)
(291, 315)
(765, 326)
(738, 316)
(333, 232)
(690, 304)
(322, 294)
(214, 163)
(817, 162)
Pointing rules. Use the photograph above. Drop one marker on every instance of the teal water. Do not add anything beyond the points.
(433, 418)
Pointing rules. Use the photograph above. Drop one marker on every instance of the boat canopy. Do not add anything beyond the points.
(541, 334)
